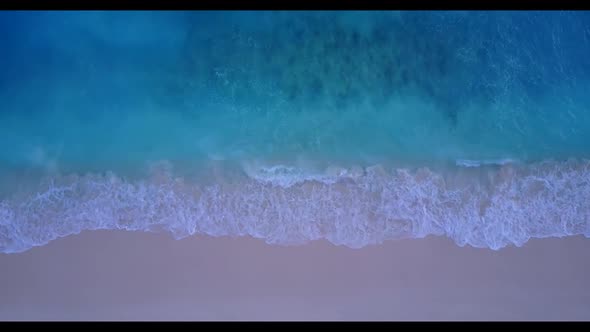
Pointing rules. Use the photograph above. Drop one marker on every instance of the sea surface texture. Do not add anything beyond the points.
(353, 127)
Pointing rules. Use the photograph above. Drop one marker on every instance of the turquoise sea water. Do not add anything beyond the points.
(355, 127)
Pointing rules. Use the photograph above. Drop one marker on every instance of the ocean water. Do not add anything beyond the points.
(353, 127)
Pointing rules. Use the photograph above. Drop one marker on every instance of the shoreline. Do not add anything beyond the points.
(510, 205)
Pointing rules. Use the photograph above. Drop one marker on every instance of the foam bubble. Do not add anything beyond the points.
(481, 207)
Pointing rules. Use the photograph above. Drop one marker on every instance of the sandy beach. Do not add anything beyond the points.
(115, 275)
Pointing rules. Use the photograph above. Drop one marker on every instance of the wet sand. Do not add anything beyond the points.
(116, 275)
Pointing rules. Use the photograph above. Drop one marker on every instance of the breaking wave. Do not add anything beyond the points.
(488, 207)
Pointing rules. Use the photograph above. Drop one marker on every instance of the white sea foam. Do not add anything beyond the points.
(489, 208)
(478, 163)
(287, 176)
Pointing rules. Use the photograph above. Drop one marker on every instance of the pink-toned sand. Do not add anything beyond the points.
(106, 275)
